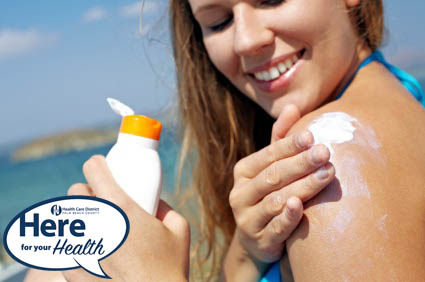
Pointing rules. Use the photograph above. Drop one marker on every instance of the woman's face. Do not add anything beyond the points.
(279, 52)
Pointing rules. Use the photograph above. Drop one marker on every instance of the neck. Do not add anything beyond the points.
(362, 51)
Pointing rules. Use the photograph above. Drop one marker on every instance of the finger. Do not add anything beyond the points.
(310, 185)
(101, 181)
(253, 164)
(80, 189)
(256, 217)
(176, 223)
(283, 172)
(289, 115)
(282, 225)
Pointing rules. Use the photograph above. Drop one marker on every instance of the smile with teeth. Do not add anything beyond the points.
(276, 71)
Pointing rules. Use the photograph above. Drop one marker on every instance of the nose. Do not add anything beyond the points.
(251, 34)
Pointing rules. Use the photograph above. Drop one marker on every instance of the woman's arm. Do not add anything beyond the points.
(269, 186)
(369, 224)
(239, 266)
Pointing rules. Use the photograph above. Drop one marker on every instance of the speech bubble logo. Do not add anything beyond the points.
(66, 233)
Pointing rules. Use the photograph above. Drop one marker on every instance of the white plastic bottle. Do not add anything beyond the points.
(134, 160)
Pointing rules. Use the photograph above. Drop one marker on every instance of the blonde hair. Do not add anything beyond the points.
(368, 18)
(219, 126)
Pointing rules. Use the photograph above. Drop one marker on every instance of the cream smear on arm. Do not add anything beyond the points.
(335, 128)
(339, 127)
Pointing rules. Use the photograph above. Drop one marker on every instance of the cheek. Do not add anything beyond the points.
(326, 32)
(311, 23)
(302, 21)
(220, 51)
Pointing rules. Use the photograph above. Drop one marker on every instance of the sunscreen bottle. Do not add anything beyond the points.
(134, 161)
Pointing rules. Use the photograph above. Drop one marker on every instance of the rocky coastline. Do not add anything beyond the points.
(76, 140)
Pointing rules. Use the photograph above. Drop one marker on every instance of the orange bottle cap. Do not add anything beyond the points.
(141, 126)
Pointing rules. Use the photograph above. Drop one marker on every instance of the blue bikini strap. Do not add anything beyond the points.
(406, 79)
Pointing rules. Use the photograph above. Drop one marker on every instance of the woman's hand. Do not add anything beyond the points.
(157, 249)
(270, 186)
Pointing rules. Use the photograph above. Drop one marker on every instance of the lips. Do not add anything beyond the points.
(276, 68)
(273, 81)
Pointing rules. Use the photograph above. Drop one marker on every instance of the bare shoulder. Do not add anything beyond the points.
(369, 224)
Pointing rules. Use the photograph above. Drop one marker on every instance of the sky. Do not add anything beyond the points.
(60, 60)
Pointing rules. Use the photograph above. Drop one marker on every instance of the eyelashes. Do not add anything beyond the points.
(271, 2)
(221, 26)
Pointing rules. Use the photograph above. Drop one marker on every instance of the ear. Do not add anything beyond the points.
(352, 3)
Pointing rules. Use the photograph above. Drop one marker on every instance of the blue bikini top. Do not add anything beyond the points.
(273, 273)
(406, 79)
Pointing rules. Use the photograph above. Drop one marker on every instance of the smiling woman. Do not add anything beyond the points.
(242, 65)
(298, 137)
(295, 36)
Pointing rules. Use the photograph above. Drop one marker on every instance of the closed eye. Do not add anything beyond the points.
(222, 25)
(271, 2)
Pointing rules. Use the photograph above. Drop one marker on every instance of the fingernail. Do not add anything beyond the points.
(287, 107)
(323, 172)
(290, 211)
(303, 140)
(316, 155)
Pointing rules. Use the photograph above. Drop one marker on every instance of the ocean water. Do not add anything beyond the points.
(25, 183)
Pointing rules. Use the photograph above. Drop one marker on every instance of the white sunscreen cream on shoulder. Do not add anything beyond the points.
(134, 161)
(332, 128)
(337, 128)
